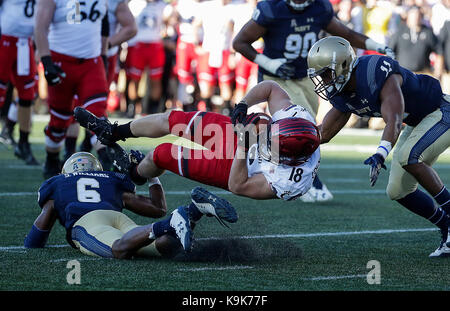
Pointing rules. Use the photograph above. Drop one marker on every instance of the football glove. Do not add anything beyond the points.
(389, 52)
(286, 71)
(280, 67)
(376, 163)
(239, 113)
(52, 72)
(245, 136)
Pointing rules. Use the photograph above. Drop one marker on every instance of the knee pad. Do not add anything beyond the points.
(54, 137)
(25, 103)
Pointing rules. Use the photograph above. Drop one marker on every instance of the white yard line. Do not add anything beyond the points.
(271, 236)
(337, 277)
(215, 268)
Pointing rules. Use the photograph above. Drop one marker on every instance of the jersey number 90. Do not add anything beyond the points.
(296, 45)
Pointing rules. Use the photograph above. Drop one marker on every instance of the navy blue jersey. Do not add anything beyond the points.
(422, 94)
(79, 193)
(291, 34)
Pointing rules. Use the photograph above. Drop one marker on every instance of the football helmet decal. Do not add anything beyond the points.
(81, 161)
(330, 64)
(290, 141)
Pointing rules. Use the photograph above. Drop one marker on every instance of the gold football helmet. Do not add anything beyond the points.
(81, 161)
(330, 64)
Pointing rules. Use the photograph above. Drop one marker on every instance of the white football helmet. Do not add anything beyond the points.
(330, 64)
(81, 161)
(299, 5)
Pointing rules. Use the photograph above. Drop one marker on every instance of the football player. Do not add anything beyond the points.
(289, 29)
(122, 27)
(377, 86)
(71, 39)
(89, 202)
(214, 21)
(281, 164)
(18, 66)
(149, 53)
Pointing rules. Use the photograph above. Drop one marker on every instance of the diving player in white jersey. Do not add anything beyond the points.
(284, 167)
(71, 41)
(17, 65)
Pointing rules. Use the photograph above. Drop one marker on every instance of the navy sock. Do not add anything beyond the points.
(194, 213)
(422, 204)
(162, 227)
(123, 131)
(443, 199)
(317, 183)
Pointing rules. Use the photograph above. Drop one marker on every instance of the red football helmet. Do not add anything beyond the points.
(291, 141)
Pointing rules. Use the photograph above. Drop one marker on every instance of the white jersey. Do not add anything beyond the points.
(187, 9)
(17, 18)
(288, 182)
(76, 28)
(150, 22)
(113, 24)
(216, 20)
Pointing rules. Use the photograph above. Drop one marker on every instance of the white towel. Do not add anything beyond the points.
(23, 57)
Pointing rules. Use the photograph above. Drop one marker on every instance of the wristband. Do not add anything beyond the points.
(36, 238)
(265, 62)
(154, 181)
(375, 46)
(384, 148)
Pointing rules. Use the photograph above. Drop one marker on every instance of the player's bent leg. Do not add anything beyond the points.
(95, 232)
(147, 168)
(133, 240)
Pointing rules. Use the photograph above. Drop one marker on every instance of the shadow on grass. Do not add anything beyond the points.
(240, 251)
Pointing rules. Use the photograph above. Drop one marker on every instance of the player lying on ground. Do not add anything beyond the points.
(88, 202)
(279, 162)
(377, 86)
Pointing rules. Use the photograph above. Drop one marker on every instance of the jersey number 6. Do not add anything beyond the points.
(88, 195)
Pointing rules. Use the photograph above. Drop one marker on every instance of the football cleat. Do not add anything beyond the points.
(211, 205)
(317, 195)
(101, 127)
(181, 224)
(323, 195)
(7, 139)
(310, 196)
(23, 151)
(444, 247)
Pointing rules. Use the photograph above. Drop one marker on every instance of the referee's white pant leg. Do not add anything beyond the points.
(300, 91)
(422, 143)
(95, 232)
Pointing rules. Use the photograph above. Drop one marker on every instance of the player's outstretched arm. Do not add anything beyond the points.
(332, 123)
(255, 187)
(153, 206)
(266, 91)
(39, 232)
(356, 39)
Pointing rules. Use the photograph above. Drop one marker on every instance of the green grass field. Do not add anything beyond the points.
(274, 246)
